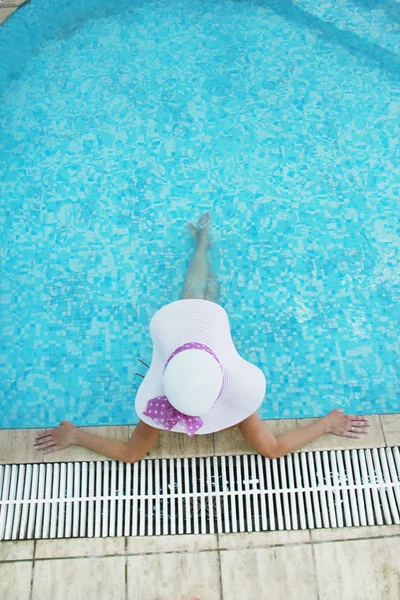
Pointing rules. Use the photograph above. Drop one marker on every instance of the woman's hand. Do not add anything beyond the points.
(346, 425)
(56, 439)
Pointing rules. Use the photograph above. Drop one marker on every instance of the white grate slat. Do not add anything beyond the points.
(91, 501)
(84, 505)
(382, 488)
(218, 494)
(225, 492)
(172, 495)
(389, 473)
(17, 515)
(142, 500)
(255, 478)
(76, 508)
(366, 486)
(113, 507)
(343, 482)
(263, 495)
(195, 497)
(135, 496)
(292, 493)
(98, 502)
(314, 491)
(303, 498)
(247, 492)
(336, 493)
(278, 495)
(120, 503)
(12, 490)
(47, 504)
(34, 506)
(179, 495)
(232, 494)
(25, 504)
(270, 495)
(239, 482)
(157, 485)
(354, 464)
(105, 516)
(54, 496)
(128, 502)
(69, 498)
(203, 516)
(329, 485)
(61, 507)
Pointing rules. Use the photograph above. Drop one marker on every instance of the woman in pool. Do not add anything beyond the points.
(197, 383)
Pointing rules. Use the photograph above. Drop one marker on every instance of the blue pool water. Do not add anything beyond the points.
(121, 121)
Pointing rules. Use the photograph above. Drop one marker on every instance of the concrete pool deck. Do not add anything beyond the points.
(326, 564)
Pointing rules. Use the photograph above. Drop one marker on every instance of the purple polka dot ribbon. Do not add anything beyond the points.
(163, 413)
(191, 346)
(161, 410)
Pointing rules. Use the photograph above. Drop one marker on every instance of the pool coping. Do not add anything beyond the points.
(16, 445)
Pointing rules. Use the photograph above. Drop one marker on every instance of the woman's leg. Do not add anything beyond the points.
(213, 290)
(197, 276)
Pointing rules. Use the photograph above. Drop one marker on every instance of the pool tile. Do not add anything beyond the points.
(231, 441)
(307, 256)
(373, 439)
(172, 576)
(78, 453)
(356, 570)
(16, 446)
(80, 579)
(15, 580)
(391, 429)
(171, 543)
(171, 444)
(282, 572)
(79, 547)
(22, 550)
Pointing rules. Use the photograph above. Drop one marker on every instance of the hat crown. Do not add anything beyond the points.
(192, 381)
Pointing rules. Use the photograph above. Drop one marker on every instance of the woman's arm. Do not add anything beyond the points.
(140, 442)
(257, 433)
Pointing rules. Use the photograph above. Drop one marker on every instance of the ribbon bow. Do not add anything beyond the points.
(163, 413)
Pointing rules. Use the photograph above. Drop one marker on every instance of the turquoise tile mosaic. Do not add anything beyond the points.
(120, 121)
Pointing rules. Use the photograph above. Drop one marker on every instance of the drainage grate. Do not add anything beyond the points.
(200, 495)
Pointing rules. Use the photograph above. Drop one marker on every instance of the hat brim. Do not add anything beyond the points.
(206, 322)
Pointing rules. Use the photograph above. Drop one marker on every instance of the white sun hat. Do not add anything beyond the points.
(197, 382)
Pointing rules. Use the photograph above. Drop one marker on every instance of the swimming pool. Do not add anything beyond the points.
(120, 123)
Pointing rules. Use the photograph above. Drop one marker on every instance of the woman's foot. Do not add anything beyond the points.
(201, 233)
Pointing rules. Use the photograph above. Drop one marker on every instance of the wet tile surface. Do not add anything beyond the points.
(231, 441)
(171, 445)
(79, 453)
(79, 547)
(171, 543)
(15, 580)
(20, 550)
(357, 570)
(263, 539)
(373, 439)
(171, 576)
(281, 572)
(16, 446)
(79, 579)
(391, 429)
